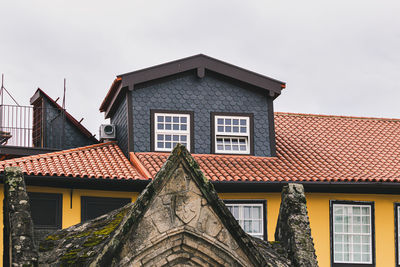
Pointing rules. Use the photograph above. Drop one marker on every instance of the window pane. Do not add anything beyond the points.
(177, 127)
(257, 212)
(249, 217)
(351, 233)
(247, 212)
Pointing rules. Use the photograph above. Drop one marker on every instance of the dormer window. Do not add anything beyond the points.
(232, 133)
(171, 128)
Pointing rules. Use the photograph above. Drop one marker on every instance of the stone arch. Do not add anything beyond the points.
(187, 249)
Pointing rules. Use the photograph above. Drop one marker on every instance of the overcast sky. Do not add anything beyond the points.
(337, 57)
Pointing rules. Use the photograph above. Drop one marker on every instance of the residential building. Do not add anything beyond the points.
(224, 115)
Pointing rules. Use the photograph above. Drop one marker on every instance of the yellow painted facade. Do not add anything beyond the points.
(318, 211)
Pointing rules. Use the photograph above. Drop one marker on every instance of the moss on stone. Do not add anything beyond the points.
(55, 237)
(46, 246)
(109, 228)
(70, 256)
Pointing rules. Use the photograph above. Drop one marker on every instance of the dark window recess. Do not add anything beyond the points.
(93, 207)
(46, 210)
(397, 233)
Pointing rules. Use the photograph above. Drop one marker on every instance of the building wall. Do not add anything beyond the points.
(187, 92)
(73, 137)
(120, 120)
(318, 211)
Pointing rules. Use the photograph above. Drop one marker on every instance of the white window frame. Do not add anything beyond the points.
(171, 131)
(241, 218)
(232, 135)
(354, 236)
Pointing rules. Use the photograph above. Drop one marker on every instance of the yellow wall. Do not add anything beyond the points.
(318, 211)
(71, 215)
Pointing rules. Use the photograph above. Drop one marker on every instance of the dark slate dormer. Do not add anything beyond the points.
(53, 127)
(215, 107)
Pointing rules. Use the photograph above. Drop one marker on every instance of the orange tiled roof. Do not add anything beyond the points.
(310, 148)
(104, 160)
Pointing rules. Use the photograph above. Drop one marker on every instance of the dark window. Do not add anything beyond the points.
(251, 215)
(93, 207)
(46, 210)
(352, 233)
(397, 235)
(168, 128)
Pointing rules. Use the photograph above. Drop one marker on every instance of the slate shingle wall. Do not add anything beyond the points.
(73, 137)
(209, 94)
(119, 118)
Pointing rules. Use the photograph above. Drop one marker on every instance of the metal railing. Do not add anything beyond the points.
(28, 126)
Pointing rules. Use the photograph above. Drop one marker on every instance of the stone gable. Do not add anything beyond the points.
(178, 220)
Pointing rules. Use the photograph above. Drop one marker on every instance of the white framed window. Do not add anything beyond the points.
(250, 216)
(232, 134)
(352, 233)
(171, 129)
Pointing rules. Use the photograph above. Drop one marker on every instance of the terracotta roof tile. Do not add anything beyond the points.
(310, 148)
(104, 160)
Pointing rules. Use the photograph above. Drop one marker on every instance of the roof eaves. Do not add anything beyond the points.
(199, 62)
(139, 166)
(111, 92)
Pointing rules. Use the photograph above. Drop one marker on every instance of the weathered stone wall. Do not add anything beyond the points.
(293, 228)
(180, 226)
(19, 249)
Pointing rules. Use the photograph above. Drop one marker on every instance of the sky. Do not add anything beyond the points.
(336, 57)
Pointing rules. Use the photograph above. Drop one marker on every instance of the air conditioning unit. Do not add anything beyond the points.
(107, 132)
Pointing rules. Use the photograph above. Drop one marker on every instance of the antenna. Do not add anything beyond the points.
(4, 89)
(63, 115)
(65, 87)
(2, 86)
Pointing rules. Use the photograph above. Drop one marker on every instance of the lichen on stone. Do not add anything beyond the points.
(75, 245)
